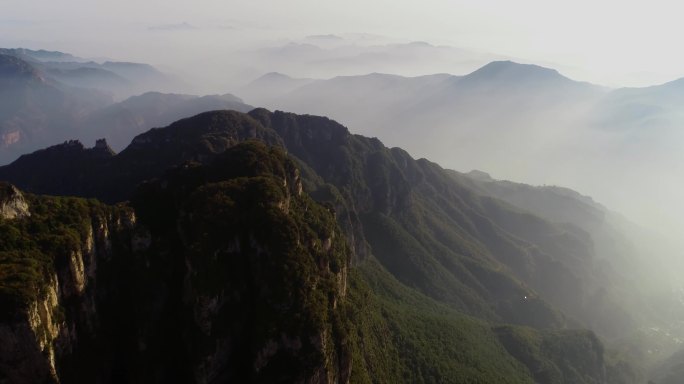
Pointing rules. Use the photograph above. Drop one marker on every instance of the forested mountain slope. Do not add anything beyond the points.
(419, 278)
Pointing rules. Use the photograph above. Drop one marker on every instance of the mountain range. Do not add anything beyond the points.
(335, 55)
(380, 103)
(39, 107)
(320, 255)
(36, 109)
(120, 79)
(204, 240)
(517, 121)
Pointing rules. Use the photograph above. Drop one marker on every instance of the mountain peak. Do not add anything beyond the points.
(275, 75)
(508, 66)
(277, 78)
(479, 175)
(271, 78)
(102, 147)
(511, 71)
(420, 44)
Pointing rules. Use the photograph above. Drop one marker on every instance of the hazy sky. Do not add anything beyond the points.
(607, 41)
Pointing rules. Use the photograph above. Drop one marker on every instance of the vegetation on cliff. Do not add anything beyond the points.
(276, 247)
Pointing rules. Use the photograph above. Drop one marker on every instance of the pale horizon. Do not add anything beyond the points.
(612, 43)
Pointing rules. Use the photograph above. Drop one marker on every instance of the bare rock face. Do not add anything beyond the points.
(12, 202)
(43, 334)
(27, 353)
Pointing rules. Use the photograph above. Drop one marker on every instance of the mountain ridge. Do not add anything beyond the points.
(415, 234)
(299, 137)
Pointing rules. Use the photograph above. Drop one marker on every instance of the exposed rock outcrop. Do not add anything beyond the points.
(42, 331)
(12, 202)
(103, 148)
(27, 351)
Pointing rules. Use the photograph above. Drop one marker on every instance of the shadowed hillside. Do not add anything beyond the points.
(410, 225)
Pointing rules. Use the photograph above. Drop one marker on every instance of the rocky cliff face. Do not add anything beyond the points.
(44, 326)
(27, 353)
(230, 274)
(12, 202)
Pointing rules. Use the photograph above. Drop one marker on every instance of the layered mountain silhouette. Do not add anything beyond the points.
(120, 79)
(379, 104)
(348, 55)
(640, 109)
(39, 108)
(272, 86)
(121, 122)
(431, 275)
(36, 110)
(321, 255)
(520, 121)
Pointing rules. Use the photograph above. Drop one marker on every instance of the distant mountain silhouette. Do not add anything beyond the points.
(272, 86)
(521, 121)
(506, 72)
(39, 55)
(323, 57)
(478, 105)
(121, 122)
(121, 79)
(647, 108)
(44, 103)
(91, 77)
(35, 110)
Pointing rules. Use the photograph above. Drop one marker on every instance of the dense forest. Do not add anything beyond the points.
(273, 247)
